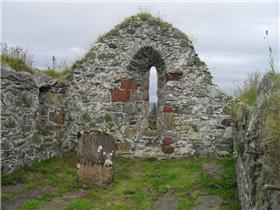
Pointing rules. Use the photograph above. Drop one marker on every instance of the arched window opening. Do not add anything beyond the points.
(153, 99)
(153, 80)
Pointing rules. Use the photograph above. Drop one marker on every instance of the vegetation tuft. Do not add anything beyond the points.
(57, 74)
(16, 63)
(147, 17)
(20, 60)
(268, 108)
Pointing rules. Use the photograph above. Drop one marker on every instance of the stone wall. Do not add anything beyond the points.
(34, 119)
(109, 92)
(257, 149)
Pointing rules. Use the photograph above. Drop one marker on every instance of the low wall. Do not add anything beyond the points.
(257, 149)
(34, 119)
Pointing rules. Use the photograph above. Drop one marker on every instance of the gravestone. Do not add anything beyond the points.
(96, 153)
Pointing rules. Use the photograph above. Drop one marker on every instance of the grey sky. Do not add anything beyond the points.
(229, 37)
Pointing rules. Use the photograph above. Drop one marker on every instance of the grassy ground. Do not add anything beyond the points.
(139, 183)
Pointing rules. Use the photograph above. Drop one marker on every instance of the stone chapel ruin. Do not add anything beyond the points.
(108, 93)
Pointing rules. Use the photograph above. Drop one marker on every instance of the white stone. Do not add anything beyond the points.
(228, 133)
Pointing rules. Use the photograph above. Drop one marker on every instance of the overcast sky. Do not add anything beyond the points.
(229, 37)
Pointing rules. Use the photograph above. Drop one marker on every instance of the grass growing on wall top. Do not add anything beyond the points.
(249, 96)
(144, 16)
(19, 65)
(16, 63)
(57, 74)
(247, 92)
(271, 136)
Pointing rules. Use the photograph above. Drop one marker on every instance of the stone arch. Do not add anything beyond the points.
(109, 92)
(139, 71)
(146, 57)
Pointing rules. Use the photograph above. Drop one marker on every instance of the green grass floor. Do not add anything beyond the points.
(138, 183)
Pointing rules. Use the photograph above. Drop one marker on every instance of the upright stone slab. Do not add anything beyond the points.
(96, 153)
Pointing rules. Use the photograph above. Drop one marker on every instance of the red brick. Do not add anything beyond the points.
(128, 84)
(167, 149)
(167, 141)
(173, 76)
(146, 85)
(145, 95)
(119, 95)
(168, 108)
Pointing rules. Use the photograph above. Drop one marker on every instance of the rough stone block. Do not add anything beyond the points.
(49, 100)
(167, 149)
(184, 127)
(167, 141)
(173, 76)
(168, 108)
(96, 153)
(57, 117)
(123, 145)
(228, 134)
(23, 100)
(91, 175)
(131, 131)
(169, 121)
(9, 122)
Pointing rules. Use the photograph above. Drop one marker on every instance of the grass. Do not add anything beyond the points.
(80, 204)
(271, 130)
(16, 63)
(249, 96)
(20, 66)
(139, 182)
(275, 78)
(7, 197)
(57, 173)
(147, 17)
(245, 94)
(57, 74)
